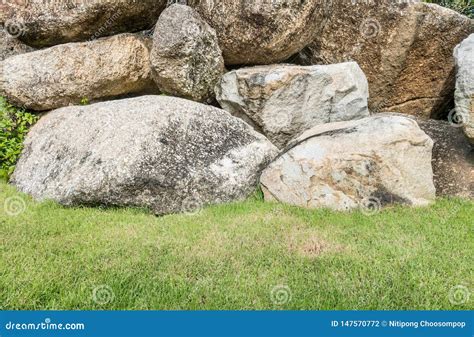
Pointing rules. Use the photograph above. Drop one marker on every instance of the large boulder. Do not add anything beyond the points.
(10, 46)
(66, 74)
(464, 55)
(47, 23)
(186, 58)
(373, 161)
(404, 48)
(453, 159)
(165, 153)
(261, 32)
(282, 101)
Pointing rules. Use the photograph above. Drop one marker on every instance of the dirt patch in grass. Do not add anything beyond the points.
(315, 247)
(310, 243)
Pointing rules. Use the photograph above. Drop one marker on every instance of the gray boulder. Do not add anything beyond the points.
(186, 58)
(369, 162)
(46, 23)
(165, 153)
(464, 96)
(282, 101)
(66, 74)
(9, 46)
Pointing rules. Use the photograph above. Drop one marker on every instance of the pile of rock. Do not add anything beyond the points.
(296, 110)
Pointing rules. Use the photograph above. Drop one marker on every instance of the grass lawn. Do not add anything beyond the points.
(249, 255)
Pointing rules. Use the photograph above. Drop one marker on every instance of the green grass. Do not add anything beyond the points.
(233, 256)
(465, 7)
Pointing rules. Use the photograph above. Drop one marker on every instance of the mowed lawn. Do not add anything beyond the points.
(248, 255)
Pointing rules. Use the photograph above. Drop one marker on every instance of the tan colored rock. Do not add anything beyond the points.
(282, 101)
(261, 32)
(369, 162)
(405, 49)
(66, 74)
(8, 6)
(46, 23)
(186, 58)
(4, 8)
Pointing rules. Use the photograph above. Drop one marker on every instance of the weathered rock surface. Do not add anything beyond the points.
(7, 7)
(261, 32)
(9, 46)
(405, 49)
(66, 74)
(377, 160)
(453, 159)
(165, 153)
(282, 101)
(464, 96)
(47, 23)
(186, 58)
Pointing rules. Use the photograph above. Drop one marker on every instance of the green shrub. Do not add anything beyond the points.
(14, 125)
(84, 101)
(465, 7)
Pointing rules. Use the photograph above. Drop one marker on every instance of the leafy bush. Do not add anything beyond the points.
(84, 101)
(465, 7)
(14, 125)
